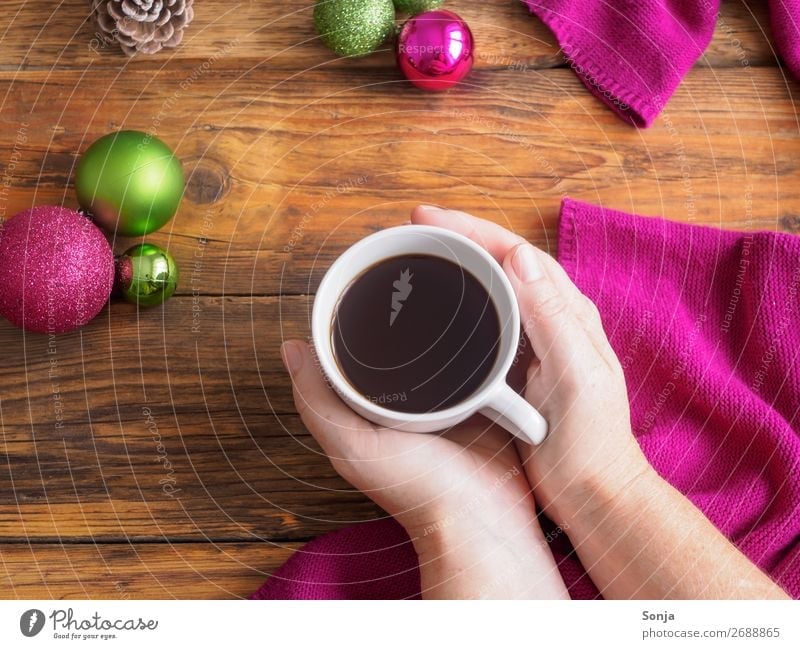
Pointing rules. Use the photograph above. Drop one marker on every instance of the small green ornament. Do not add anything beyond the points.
(414, 7)
(146, 275)
(130, 183)
(354, 27)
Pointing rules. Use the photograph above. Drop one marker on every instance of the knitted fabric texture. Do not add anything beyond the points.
(704, 322)
(632, 54)
(368, 561)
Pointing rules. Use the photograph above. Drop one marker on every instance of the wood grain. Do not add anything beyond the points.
(177, 476)
(281, 33)
(191, 356)
(175, 465)
(138, 571)
(266, 213)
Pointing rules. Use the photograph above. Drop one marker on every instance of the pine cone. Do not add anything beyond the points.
(143, 25)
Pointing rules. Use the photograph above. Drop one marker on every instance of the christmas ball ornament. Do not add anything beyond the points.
(146, 275)
(130, 183)
(56, 270)
(435, 50)
(354, 27)
(414, 7)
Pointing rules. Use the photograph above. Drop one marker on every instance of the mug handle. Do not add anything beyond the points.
(508, 409)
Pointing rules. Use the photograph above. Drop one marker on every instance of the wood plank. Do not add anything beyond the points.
(209, 355)
(138, 570)
(280, 33)
(283, 180)
(175, 476)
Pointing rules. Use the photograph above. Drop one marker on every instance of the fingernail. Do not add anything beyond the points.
(526, 263)
(431, 208)
(292, 356)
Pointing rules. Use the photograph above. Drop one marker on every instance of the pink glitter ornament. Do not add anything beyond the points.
(56, 270)
(435, 50)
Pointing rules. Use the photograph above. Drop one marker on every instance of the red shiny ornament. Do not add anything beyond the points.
(435, 50)
(56, 270)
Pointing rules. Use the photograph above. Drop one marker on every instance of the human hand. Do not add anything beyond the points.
(575, 381)
(635, 533)
(461, 496)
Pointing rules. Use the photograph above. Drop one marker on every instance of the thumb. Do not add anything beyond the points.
(331, 422)
(550, 324)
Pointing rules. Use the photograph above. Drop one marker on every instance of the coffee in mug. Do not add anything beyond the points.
(416, 328)
(416, 333)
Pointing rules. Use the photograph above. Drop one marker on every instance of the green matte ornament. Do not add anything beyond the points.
(146, 275)
(414, 7)
(130, 183)
(354, 27)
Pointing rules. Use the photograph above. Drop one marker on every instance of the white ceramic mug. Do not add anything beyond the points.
(494, 398)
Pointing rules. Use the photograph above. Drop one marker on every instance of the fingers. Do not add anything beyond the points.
(494, 238)
(335, 426)
(581, 306)
(547, 319)
(499, 242)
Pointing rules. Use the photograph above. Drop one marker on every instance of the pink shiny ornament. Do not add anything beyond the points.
(56, 270)
(435, 50)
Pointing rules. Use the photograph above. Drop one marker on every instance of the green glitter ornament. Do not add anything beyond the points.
(130, 183)
(146, 275)
(414, 7)
(354, 27)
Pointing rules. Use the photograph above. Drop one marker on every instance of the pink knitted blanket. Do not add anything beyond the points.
(705, 323)
(632, 54)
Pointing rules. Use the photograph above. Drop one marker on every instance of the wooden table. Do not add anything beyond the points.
(181, 469)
